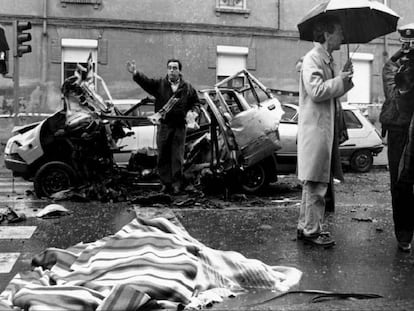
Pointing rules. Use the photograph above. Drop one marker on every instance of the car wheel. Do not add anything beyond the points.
(361, 161)
(253, 178)
(53, 177)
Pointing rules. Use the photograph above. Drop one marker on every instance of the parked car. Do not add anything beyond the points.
(358, 151)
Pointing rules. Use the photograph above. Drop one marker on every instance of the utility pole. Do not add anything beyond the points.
(20, 37)
(385, 51)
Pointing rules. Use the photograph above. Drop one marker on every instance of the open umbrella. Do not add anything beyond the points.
(361, 20)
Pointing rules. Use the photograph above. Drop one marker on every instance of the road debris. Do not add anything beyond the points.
(364, 219)
(53, 211)
(12, 216)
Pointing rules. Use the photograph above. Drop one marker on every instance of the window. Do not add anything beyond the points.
(232, 102)
(290, 114)
(351, 120)
(231, 59)
(76, 51)
(235, 83)
(255, 96)
(69, 69)
(232, 6)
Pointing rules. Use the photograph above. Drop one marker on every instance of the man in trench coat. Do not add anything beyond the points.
(319, 128)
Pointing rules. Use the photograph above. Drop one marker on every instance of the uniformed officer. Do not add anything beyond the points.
(397, 121)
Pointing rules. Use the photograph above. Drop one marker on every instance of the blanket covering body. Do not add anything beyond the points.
(149, 261)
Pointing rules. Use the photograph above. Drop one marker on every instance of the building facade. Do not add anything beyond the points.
(213, 39)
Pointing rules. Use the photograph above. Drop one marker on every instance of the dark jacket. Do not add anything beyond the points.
(397, 115)
(397, 109)
(161, 90)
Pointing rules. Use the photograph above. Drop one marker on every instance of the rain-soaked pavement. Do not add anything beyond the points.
(365, 259)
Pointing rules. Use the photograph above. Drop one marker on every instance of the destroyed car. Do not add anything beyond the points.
(90, 138)
(236, 141)
(74, 145)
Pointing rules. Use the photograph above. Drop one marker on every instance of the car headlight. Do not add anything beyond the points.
(12, 146)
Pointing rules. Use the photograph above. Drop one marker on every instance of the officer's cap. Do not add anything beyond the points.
(407, 32)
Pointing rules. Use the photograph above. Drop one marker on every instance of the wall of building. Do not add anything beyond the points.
(151, 31)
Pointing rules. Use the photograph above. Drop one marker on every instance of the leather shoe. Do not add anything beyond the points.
(404, 247)
(300, 234)
(176, 190)
(320, 240)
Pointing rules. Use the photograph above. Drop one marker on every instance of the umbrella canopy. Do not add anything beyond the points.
(362, 20)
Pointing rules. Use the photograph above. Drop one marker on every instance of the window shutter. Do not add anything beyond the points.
(251, 59)
(103, 51)
(55, 51)
(212, 57)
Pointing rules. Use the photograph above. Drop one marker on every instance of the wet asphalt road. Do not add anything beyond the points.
(365, 259)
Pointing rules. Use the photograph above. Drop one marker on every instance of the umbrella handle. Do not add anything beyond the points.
(347, 50)
(353, 52)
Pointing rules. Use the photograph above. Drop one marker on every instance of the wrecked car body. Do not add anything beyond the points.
(92, 139)
(74, 145)
(236, 142)
(248, 121)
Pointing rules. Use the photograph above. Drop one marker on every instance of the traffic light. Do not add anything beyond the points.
(4, 48)
(3, 63)
(22, 37)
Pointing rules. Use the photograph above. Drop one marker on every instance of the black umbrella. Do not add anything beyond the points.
(361, 20)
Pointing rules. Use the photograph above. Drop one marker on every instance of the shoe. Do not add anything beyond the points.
(300, 234)
(320, 240)
(176, 190)
(404, 247)
(165, 189)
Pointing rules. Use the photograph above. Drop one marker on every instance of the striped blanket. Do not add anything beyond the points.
(149, 263)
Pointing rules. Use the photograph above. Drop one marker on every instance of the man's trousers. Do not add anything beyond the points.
(401, 193)
(170, 144)
(312, 208)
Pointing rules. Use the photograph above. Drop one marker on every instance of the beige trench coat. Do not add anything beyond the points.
(318, 90)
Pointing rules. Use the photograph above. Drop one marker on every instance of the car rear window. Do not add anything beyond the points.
(351, 120)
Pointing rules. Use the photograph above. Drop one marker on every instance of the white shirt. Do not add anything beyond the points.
(174, 85)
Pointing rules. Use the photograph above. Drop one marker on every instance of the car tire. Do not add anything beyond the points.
(361, 161)
(53, 177)
(253, 178)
